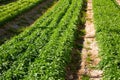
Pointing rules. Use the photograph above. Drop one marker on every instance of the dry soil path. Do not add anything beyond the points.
(84, 61)
(90, 57)
(118, 1)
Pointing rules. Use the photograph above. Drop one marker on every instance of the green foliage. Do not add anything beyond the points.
(85, 77)
(11, 10)
(42, 51)
(107, 24)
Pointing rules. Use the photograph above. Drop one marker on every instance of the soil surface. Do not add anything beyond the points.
(118, 1)
(85, 59)
(90, 57)
(74, 66)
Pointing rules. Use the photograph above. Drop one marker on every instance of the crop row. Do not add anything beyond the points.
(28, 37)
(11, 10)
(42, 51)
(107, 24)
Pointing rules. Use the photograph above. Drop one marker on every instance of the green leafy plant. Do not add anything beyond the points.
(11, 10)
(42, 51)
(106, 19)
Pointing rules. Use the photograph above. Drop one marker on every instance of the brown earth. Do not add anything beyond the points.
(118, 1)
(90, 57)
(84, 60)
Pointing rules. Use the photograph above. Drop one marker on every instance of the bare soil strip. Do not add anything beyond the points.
(90, 57)
(118, 1)
(85, 59)
(17, 25)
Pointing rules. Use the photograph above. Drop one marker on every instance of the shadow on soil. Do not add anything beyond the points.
(72, 70)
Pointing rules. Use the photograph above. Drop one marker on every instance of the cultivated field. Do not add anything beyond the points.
(59, 39)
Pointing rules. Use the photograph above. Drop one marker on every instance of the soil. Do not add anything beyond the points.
(73, 68)
(85, 60)
(118, 1)
(90, 57)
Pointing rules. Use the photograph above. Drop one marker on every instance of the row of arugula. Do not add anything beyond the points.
(42, 51)
(107, 24)
(13, 9)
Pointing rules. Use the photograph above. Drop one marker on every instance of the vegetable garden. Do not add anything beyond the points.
(43, 50)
